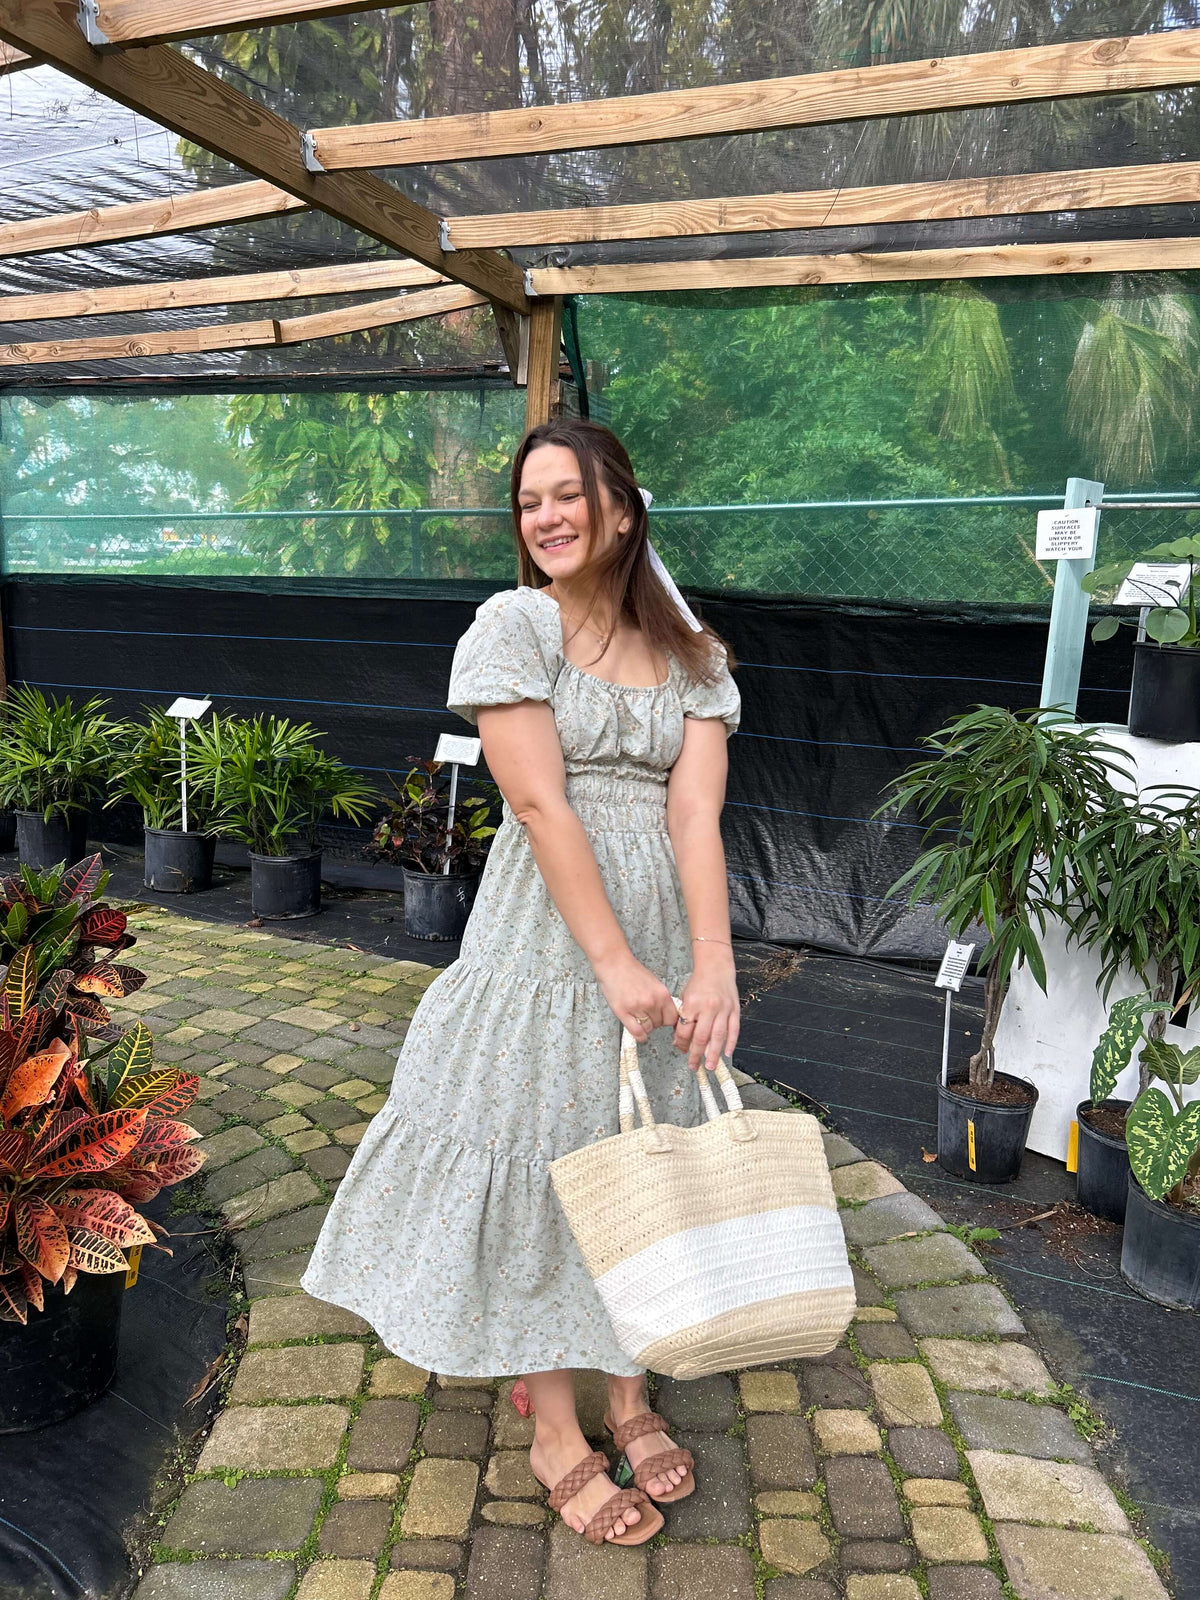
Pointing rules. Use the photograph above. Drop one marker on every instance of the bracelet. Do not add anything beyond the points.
(700, 938)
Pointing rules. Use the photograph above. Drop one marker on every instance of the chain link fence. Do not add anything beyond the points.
(978, 549)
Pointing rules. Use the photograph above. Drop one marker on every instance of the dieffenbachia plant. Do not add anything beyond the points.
(1163, 1134)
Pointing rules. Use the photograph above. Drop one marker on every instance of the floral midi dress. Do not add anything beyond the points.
(445, 1233)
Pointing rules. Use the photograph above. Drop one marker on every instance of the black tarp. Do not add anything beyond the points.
(836, 701)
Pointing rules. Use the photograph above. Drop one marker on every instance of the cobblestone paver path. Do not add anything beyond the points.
(926, 1456)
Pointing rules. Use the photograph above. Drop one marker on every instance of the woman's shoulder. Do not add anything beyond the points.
(521, 614)
(513, 603)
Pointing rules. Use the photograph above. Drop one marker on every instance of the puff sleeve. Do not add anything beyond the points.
(501, 659)
(719, 699)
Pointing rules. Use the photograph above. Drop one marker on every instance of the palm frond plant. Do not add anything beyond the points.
(54, 755)
(145, 769)
(89, 1125)
(1006, 798)
(413, 833)
(271, 783)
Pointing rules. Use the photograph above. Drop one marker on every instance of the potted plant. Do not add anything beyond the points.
(270, 784)
(1136, 904)
(54, 760)
(89, 1132)
(147, 771)
(1160, 1254)
(1004, 798)
(1102, 1169)
(441, 863)
(1165, 699)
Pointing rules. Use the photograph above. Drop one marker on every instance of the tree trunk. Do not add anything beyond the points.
(983, 1062)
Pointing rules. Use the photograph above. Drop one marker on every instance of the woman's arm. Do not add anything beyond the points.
(695, 795)
(524, 756)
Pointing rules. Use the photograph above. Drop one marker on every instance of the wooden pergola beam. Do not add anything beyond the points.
(379, 314)
(542, 361)
(886, 266)
(243, 335)
(352, 278)
(179, 94)
(1168, 183)
(999, 77)
(13, 60)
(127, 23)
(205, 208)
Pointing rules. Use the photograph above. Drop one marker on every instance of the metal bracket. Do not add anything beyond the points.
(444, 239)
(88, 18)
(527, 280)
(308, 149)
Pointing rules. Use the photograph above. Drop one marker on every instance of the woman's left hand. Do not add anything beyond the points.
(709, 1017)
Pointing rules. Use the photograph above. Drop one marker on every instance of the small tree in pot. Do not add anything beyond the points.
(271, 784)
(146, 770)
(441, 863)
(1005, 799)
(54, 760)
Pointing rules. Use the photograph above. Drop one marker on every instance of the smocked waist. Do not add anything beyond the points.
(615, 803)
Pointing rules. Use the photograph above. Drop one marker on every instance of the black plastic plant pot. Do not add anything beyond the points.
(177, 862)
(1165, 703)
(42, 844)
(1160, 1254)
(64, 1357)
(437, 905)
(981, 1142)
(282, 887)
(8, 830)
(1103, 1173)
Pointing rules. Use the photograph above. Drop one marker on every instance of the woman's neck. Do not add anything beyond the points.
(581, 606)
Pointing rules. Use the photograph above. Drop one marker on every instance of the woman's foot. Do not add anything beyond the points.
(553, 1457)
(626, 1401)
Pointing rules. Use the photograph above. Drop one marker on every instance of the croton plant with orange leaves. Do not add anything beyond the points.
(89, 1125)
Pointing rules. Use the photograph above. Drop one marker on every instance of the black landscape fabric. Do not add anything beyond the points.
(71, 1492)
(836, 699)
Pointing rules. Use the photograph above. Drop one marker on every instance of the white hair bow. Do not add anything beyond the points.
(665, 578)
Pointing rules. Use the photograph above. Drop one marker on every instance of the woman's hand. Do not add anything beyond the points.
(639, 1000)
(708, 1023)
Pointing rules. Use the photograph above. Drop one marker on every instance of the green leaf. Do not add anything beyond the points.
(1161, 1144)
(132, 1054)
(1167, 626)
(1106, 628)
(1114, 1052)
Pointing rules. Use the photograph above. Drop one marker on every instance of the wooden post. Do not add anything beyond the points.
(1069, 611)
(545, 341)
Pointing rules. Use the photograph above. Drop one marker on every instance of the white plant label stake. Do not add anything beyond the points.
(185, 711)
(460, 751)
(951, 973)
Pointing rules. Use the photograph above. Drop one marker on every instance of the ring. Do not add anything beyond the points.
(687, 1020)
(640, 1016)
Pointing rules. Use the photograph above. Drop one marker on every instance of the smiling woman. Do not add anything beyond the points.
(604, 717)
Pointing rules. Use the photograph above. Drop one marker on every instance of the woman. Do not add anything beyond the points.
(603, 707)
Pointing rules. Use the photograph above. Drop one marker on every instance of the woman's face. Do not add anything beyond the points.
(554, 513)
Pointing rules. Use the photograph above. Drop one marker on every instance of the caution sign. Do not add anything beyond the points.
(1067, 535)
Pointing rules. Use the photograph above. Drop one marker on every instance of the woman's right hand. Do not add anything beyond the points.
(639, 1001)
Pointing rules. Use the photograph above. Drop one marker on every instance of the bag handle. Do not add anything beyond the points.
(633, 1093)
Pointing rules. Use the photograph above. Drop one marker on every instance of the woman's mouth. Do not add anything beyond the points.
(559, 543)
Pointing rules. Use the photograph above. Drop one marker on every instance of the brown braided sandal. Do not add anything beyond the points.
(598, 1528)
(654, 1466)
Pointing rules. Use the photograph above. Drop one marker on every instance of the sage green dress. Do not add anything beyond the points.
(446, 1234)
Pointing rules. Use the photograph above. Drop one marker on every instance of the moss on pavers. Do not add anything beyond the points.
(905, 1394)
(946, 1533)
(769, 1390)
(970, 1308)
(218, 1580)
(232, 1145)
(864, 1180)
(988, 1422)
(288, 1192)
(300, 1317)
(299, 1372)
(263, 1163)
(1027, 1489)
(250, 1517)
(988, 1368)
(938, 1258)
(888, 1218)
(793, 1546)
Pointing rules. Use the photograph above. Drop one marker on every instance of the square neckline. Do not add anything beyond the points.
(611, 683)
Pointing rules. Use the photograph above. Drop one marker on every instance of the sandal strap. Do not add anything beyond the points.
(624, 1500)
(580, 1475)
(656, 1466)
(645, 1422)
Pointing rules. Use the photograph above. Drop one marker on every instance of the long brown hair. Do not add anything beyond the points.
(622, 574)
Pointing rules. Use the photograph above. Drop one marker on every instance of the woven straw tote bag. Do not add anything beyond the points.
(715, 1247)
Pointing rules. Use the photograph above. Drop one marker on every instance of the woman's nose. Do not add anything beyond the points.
(547, 514)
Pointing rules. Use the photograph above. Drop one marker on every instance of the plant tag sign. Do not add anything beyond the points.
(188, 709)
(954, 966)
(1154, 583)
(1067, 535)
(458, 749)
